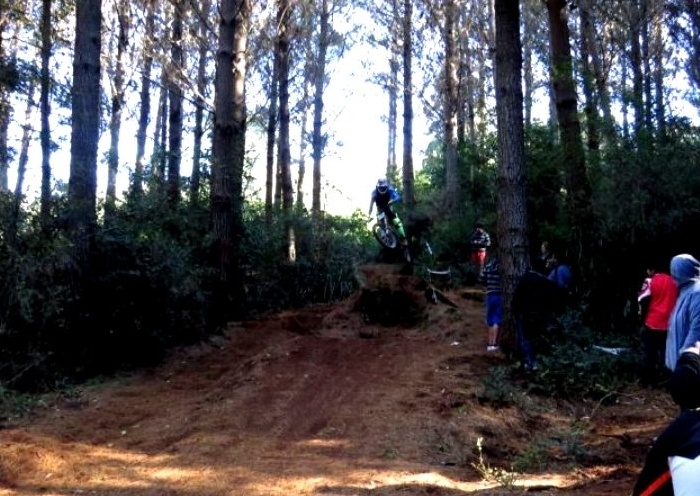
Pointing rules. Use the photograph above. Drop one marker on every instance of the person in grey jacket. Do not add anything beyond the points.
(684, 323)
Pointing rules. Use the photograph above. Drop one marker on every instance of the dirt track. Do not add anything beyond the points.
(299, 404)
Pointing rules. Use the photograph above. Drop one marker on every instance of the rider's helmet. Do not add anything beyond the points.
(382, 185)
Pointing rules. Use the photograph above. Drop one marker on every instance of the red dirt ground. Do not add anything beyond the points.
(319, 402)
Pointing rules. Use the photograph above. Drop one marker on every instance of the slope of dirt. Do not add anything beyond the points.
(322, 402)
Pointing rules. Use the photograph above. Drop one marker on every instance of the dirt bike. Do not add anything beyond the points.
(388, 237)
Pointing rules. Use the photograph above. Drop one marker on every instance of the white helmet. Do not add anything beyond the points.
(382, 185)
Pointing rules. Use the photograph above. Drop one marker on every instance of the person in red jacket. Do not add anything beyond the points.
(658, 296)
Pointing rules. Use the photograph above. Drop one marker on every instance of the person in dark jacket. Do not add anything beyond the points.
(536, 302)
(672, 466)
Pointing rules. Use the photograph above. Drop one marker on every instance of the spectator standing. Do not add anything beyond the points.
(560, 273)
(491, 277)
(543, 257)
(479, 240)
(536, 301)
(684, 323)
(658, 293)
(672, 466)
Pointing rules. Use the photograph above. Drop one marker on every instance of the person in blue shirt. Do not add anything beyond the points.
(384, 196)
(560, 273)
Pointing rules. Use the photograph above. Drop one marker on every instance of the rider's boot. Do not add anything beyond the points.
(399, 229)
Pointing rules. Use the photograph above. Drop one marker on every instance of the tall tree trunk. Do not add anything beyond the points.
(175, 99)
(318, 142)
(511, 204)
(5, 107)
(305, 103)
(284, 154)
(200, 102)
(658, 56)
(115, 122)
(577, 184)
(590, 106)
(85, 130)
(636, 66)
(409, 198)
(529, 35)
(144, 96)
(599, 77)
(450, 104)
(647, 58)
(283, 41)
(27, 129)
(393, 90)
(45, 112)
(271, 134)
(227, 179)
(160, 138)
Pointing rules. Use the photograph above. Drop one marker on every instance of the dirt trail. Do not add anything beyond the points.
(299, 403)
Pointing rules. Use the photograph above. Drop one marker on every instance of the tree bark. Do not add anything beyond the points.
(45, 112)
(85, 130)
(408, 189)
(227, 157)
(200, 103)
(271, 135)
(511, 204)
(318, 141)
(450, 104)
(578, 187)
(144, 97)
(175, 99)
(115, 122)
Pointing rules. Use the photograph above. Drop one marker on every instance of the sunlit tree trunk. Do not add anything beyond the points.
(271, 135)
(450, 104)
(123, 28)
(175, 99)
(200, 104)
(317, 141)
(308, 21)
(511, 204)
(27, 131)
(284, 13)
(144, 96)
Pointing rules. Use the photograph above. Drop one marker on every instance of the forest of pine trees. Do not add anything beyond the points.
(147, 89)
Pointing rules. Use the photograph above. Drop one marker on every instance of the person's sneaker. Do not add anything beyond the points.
(492, 347)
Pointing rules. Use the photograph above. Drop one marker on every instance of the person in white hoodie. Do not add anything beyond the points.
(684, 323)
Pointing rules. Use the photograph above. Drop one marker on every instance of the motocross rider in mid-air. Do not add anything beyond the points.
(384, 196)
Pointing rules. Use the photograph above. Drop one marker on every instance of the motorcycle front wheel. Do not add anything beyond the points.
(386, 237)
